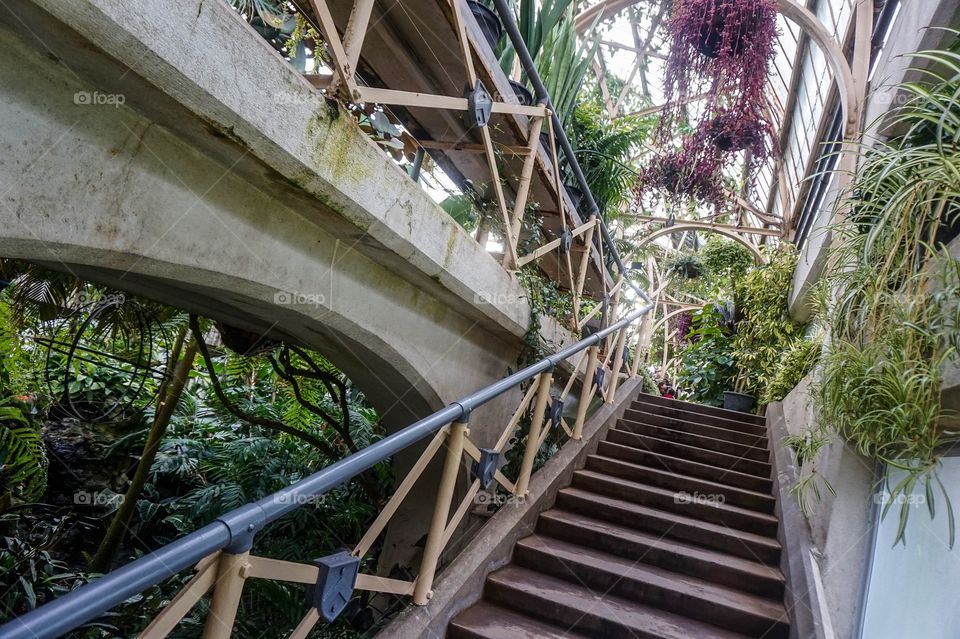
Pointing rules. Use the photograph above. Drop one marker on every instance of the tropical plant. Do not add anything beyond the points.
(562, 58)
(726, 260)
(603, 150)
(795, 364)
(706, 363)
(764, 328)
(890, 301)
(686, 265)
(684, 175)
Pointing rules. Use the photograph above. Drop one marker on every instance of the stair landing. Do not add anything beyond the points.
(668, 532)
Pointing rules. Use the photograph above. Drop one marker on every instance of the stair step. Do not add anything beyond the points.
(650, 459)
(702, 409)
(632, 580)
(692, 439)
(485, 620)
(720, 460)
(758, 440)
(593, 613)
(705, 507)
(662, 478)
(670, 554)
(750, 425)
(675, 526)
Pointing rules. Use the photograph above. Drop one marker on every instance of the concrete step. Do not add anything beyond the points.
(730, 420)
(693, 439)
(727, 434)
(485, 620)
(707, 508)
(663, 589)
(669, 554)
(663, 478)
(650, 459)
(720, 460)
(592, 613)
(748, 545)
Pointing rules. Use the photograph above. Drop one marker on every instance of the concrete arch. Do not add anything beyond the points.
(697, 226)
(850, 95)
(115, 195)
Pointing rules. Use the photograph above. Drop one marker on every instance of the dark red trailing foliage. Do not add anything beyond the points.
(688, 174)
(684, 321)
(723, 49)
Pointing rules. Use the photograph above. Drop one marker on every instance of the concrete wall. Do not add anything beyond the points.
(165, 149)
(227, 186)
(840, 525)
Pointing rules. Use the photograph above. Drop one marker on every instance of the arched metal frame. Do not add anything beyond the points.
(694, 226)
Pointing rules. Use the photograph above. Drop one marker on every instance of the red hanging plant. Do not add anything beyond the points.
(723, 49)
(687, 174)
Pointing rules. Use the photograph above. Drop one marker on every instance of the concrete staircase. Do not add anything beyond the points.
(668, 532)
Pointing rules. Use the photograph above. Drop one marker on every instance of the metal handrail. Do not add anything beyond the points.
(235, 530)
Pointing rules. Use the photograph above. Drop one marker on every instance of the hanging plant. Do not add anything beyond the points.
(686, 265)
(684, 322)
(683, 175)
(732, 131)
(722, 49)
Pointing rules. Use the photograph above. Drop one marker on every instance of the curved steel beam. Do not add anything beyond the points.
(694, 226)
(663, 320)
(804, 18)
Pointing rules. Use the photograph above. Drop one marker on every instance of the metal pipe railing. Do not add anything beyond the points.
(543, 97)
(234, 531)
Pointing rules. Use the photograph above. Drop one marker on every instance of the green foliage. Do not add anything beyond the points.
(23, 456)
(603, 149)
(461, 208)
(562, 59)
(707, 365)
(726, 260)
(797, 361)
(765, 329)
(685, 265)
(891, 301)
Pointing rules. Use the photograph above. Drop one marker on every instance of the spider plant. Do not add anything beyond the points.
(890, 298)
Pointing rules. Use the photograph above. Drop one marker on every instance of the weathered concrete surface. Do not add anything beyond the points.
(839, 524)
(225, 185)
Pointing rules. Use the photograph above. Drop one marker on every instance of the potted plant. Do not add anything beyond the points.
(737, 400)
(488, 21)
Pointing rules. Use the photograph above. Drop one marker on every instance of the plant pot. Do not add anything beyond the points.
(711, 33)
(740, 402)
(489, 22)
(523, 95)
